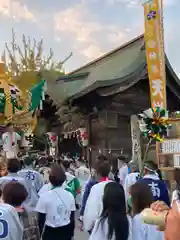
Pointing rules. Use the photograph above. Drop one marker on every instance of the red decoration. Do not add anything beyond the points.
(53, 138)
(84, 135)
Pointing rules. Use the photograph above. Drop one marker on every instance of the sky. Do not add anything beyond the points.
(87, 28)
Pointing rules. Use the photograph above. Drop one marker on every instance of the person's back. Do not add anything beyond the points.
(142, 198)
(56, 216)
(10, 227)
(13, 166)
(34, 179)
(71, 180)
(13, 177)
(100, 231)
(45, 188)
(91, 214)
(44, 171)
(113, 222)
(158, 188)
(82, 173)
(142, 231)
(131, 179)
(123, 169)
(86, 193)
(35, 183)
(56, 208)
(73, 184)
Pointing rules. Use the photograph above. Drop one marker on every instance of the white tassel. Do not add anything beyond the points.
(41, 105)
(43, 95)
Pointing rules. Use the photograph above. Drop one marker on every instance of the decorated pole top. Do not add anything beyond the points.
(19, 107)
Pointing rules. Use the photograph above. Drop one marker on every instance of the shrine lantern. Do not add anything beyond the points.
(52, 138)
(82, 136)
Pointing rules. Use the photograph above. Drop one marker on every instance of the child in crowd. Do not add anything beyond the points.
(142, 198)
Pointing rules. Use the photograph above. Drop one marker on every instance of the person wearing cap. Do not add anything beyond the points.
(34, 179)
(158, 186)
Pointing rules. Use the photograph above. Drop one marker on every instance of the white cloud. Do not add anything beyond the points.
(138, 3)
(72, 21)
(16, 10)
(92, 52)
(76, 23)
(116, 37)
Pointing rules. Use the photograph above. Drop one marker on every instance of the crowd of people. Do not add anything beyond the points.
(110, 201)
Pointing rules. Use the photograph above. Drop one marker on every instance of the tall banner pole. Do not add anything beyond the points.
(154, 41)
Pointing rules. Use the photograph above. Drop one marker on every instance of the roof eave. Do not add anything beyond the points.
(70, 77)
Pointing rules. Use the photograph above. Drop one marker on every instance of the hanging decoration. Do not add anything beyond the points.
(52, 138)
(154, 40)
(52, 141)
(154, 124)
(82, 137)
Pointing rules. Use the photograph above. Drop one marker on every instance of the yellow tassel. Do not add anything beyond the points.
(8, 110)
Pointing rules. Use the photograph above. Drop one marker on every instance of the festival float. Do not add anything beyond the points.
(18, 107)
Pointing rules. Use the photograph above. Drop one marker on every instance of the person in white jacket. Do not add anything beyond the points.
(131, 178)
(113, 223)
(94, 204)
(11, 227)
(141, 196)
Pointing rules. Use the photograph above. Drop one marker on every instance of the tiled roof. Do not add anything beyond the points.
(124, 63)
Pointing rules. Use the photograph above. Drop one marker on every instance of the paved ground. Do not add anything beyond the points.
(78, 234)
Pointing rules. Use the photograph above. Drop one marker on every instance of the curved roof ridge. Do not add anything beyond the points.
(113, 80)
(126, 44)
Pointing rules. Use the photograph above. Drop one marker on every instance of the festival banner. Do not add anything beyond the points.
(154, 40)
